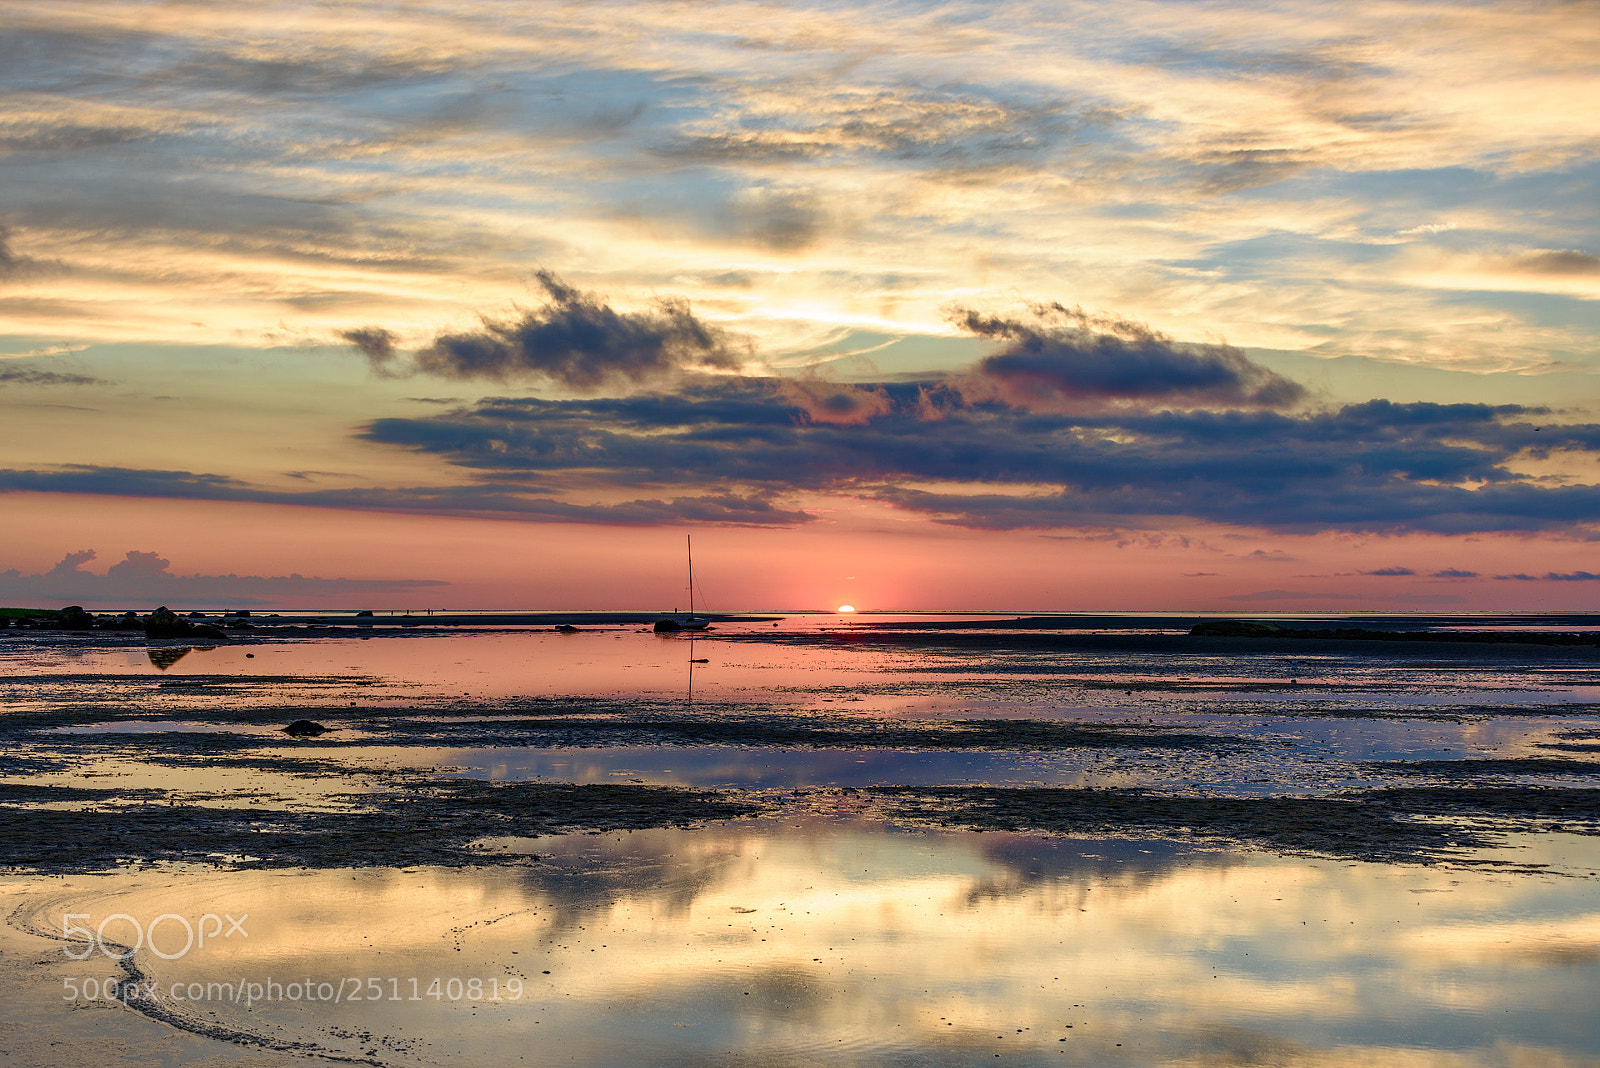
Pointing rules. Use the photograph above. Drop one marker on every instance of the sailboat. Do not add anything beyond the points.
(670, 625)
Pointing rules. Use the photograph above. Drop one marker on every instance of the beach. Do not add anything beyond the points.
(816, 839)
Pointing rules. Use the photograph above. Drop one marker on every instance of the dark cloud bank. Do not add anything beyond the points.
(141, 578)
(573, 339)
(1073, 420)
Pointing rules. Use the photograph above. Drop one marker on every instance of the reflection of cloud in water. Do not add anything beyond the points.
(1027, 863)
(579, 874)
(784, 943)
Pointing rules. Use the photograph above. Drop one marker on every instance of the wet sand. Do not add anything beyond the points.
(1134, 700)
(1427, 755)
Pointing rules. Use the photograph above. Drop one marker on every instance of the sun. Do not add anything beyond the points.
(846, 608)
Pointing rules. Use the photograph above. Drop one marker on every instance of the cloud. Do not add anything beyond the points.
(835, 402)
(10, 262)
(146, 577)
(1557, 261)
(574, 340)
(1568, 272)
(784, 220)
(723, 448)
(1064, 360)
(1377, 466)
(939, 129)
(216, 169)
(1451, 572)
(501, 499)
(1390, 571)
(1572, 576)
(31, 376)
(376, 344)
(14, 266)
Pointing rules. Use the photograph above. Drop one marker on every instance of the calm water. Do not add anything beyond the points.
(1311, 718)
(861, 944)
(819, 941)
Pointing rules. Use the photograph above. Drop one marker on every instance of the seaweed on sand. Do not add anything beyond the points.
(432, 824)
(1377, 825)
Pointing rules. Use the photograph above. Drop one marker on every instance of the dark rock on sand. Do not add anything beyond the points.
(566, 628)
(305, 728)
(165, 623)
(73, 617)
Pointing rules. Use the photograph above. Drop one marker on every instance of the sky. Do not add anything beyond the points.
(1174, 306)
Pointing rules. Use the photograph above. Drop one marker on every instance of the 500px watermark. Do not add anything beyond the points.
(342, 991)
(116, 944)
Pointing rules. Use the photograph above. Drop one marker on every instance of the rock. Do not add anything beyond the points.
(667, 626)
(73, 617)
(1236, 628)
(566, 628)
(305, 728)
(165, 623)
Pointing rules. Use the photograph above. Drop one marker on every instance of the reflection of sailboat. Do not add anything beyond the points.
(693, 660)
(669, 625)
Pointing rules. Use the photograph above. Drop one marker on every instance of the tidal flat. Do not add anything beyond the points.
(803, 841)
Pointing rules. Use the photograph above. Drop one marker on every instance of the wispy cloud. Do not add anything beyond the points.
(33, 376)
(290, 171)
(506, 496)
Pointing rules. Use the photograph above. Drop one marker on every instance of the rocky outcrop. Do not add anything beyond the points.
(165, 623)
(73, 617)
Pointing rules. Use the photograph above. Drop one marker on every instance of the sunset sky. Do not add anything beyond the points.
(936, 306)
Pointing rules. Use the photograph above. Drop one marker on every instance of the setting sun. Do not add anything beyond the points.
(847, 608)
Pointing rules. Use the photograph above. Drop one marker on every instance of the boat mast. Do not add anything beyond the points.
(689, 542)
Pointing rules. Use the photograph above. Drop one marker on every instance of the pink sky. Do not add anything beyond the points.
(861, 560)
